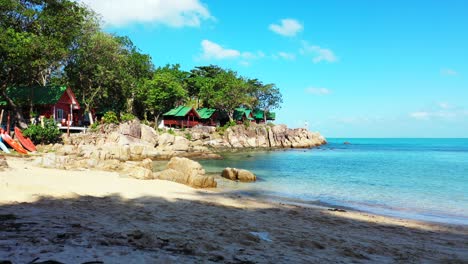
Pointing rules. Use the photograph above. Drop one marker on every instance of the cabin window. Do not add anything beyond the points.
(59, 114)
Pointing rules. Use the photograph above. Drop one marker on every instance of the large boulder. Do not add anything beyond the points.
(186, 166)
(137, 172)
(186, 171)
(148, 134)
(245, 176)
(238, 175)
(181, 144)
(131, 128)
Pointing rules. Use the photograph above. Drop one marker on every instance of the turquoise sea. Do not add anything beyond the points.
(423, 179)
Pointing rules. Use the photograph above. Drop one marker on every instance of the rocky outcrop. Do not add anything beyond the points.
(186, 171)
(238, 175)
(135, 141)
(139, 170)
(265, 136)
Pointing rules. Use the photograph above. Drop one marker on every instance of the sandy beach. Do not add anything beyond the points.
(88, 215)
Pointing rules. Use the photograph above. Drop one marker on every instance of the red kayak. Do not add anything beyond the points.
(14, 144)
(26, 142)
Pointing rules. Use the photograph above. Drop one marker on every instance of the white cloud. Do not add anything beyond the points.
(286, 55)
(444, 105)
(448, 72)
(213, 50)
(317, 91)
(288, 27)
(440, 111)
(174, 13)
(420, 115)
(318, 53)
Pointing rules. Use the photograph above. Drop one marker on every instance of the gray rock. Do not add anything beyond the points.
(186, 171)
(148, 134)
(246, 176)
(238, 175)
(131, 128)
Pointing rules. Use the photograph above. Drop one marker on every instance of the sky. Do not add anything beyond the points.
(345, 68)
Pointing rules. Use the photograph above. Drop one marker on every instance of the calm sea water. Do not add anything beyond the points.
(424, 179)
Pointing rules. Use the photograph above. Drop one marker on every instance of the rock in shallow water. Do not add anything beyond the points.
(238, 175)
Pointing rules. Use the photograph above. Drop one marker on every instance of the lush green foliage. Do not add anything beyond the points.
(126, 117)
(110, 118)
(44, 135)
(61, 42)
(221, 130)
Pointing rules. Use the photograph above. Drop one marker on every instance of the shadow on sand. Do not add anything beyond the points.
(112, 229)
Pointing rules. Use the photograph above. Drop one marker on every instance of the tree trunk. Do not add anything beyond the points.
(231, 116)
(18, 114)
(90, 115)
(156, 119)
(265, 115)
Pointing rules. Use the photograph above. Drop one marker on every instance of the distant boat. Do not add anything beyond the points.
(3, 147)
(26, 142)
(15, 145)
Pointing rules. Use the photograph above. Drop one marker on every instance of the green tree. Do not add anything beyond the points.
(97, 70)
(268, 97)
(138, 69)
(35, 39)
(227, 92)
(164, 91)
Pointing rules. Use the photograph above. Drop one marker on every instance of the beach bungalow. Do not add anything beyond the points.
(48, 101)
(181, 116)
(259, 116)
(212, 117)
(241, 114)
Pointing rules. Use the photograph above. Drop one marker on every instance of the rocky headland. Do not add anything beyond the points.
(130, 148)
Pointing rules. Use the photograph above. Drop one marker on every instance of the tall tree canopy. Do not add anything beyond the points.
(35, 39)
(61, 42)
(165, 90)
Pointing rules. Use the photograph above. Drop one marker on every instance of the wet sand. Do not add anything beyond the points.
(80, 216)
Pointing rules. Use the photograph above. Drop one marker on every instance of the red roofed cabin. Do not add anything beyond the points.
(49, 101)
(181, 116)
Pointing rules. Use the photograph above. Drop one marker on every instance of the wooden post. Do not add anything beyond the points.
(68, 126)
(8, 123)
(1, 119)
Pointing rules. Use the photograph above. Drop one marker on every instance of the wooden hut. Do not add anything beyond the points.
(258, 115)
(181, 116)
(242, 114)
(48, 101)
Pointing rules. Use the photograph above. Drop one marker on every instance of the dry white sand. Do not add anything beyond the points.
(80, 216)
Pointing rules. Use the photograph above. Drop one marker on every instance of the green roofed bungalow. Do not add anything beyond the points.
(259, 116)
(241, 114)
(209, 116)
(48, 101)
(181, 116)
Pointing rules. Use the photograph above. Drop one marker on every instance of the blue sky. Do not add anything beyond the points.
(347, 68)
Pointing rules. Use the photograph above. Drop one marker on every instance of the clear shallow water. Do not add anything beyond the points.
(424, 179)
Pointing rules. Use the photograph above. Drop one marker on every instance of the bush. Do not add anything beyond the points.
(171, 131)
(126, 117)
(188, 136)
(43, 135)
(94, 127)
(110, 118)
(223, 129)
(246, 123)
